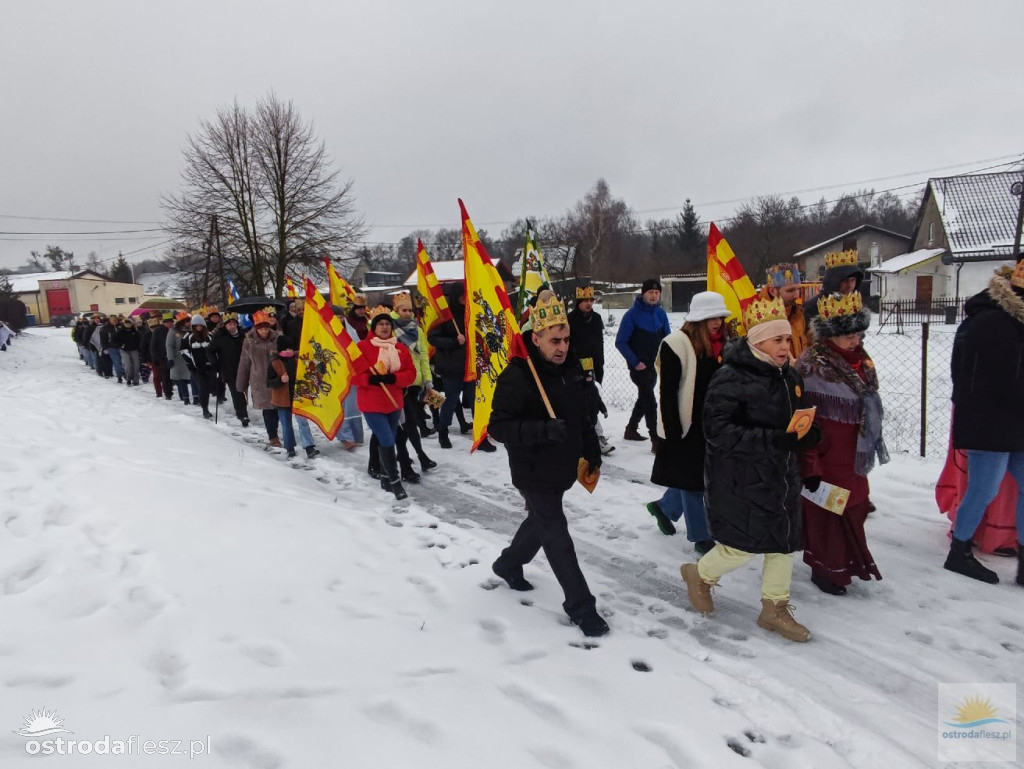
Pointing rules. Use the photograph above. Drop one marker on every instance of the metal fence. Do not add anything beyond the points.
(907, 313)
(913, 364)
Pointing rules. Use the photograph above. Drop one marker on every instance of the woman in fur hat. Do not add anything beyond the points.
(252, 368)
(686, 361)
(841, 382)
(988, 421)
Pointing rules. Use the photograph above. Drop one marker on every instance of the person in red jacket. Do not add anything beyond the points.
(379, 392)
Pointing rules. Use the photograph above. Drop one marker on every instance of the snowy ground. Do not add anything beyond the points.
(165, 577)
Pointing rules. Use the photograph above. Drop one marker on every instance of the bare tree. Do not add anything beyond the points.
(276, 201)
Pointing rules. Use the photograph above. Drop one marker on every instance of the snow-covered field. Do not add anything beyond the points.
(165, 577)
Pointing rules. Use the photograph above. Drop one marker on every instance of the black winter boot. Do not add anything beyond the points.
(408, 471)
(426, 462)
(443, 439)
(464, 426)
(312, 451)
(389, 472)
(486, 446)
(962, 561)
(373, 463)
(1020, 565)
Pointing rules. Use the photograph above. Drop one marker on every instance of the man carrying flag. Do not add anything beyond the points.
(542, 413)
(727, 277)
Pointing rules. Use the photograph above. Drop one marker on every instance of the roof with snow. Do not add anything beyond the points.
(453, 271)
(162, 284)
(908, 261)
(979, 213)
(855, 230)
(29, 281)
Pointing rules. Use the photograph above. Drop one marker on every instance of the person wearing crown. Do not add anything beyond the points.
(784, 281)
(257, 348)
(988, 422)
(587, 331)
(843, 275)
(379, 392)
(752, 468)
(544, 453)
(840, 381)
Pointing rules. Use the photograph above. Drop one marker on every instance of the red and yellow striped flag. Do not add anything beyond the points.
(492, 333)
(727, 277)
(290, 287)
(328, 359)
(342, 294)
(437, 310)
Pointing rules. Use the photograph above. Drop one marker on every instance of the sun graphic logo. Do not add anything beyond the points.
(974, 712)
(40, 723)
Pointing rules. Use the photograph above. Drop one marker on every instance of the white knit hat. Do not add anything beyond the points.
(197, 320)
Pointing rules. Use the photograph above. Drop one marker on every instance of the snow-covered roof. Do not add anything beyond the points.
(848, 234)
(907, 261)
(979, 213)
(446, 272)
(29, 281)
(161, 284)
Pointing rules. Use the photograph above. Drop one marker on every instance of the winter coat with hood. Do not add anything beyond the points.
(752, 486)
(518, 419)
(281, 393)
(252, 368)
(227, 352)
(988, 371)
(586, 335)
(640, 333)
(450, 356)
(411, 335)
(372, 398)
(107, 333)
(177, 362)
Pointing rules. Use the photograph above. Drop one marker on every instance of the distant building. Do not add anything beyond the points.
(49, 294)
(873, 245)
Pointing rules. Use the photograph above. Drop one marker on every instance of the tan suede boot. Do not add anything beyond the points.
(778, 616)
(697, 589)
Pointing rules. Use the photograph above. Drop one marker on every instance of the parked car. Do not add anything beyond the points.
(61, 320)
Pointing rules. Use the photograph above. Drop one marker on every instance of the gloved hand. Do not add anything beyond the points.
(810, 440)
(593, 464)
(382, 379)
(555, 431)
(785, 441)
(428, 385)
(812, 483)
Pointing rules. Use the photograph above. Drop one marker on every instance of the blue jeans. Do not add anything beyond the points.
(690, 505)
(115, 358)
(985, 471)
(453, 389)
(305, 436)
(352, 426)
(270, 421)
(182, 389)
(384, 427)
(284, 418)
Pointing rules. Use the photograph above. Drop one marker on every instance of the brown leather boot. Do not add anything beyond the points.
(632, 434)
(778, 616)
(698, 591)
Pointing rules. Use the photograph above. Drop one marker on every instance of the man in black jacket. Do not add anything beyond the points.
(543, 455)
(226, 350)
(587, 331)
(449, 342)
(158, 357)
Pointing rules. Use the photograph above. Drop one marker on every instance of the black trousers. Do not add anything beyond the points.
(165, 375)
(237, 400)
(646, 405)
(207, 384)
(546, 527)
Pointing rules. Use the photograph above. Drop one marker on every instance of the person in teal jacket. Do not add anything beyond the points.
(640, 333)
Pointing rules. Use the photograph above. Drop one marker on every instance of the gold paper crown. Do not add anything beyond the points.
(403, 299)
(270, 310)
(584, 292)
(548, 313)
(838, 305)
(230, 316)
(841, 259)
(1017, 278)
(763, 310)
(378, 310)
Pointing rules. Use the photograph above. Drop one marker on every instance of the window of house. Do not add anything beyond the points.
(876, 257)
(119, 300)
(849, 244)
(931, 233)
(132, 300)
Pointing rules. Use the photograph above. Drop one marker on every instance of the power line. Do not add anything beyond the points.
(77, 221)
(84, 232)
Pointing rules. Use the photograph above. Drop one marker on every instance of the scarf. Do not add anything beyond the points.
(843, 385)
(717, 344)
(407, 332)
(762, 356)
(387, 352)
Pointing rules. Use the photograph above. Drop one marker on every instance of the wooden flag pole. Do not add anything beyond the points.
(543, 392)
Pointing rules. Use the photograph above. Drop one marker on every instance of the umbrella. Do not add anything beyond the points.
(250, 304)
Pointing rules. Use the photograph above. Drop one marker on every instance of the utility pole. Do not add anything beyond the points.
(209, 254)
(1017, 188)
(220, 263)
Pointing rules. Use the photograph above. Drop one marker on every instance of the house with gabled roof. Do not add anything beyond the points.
(964, 233)
(872, 243)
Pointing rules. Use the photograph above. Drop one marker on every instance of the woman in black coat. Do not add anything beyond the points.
(752, 470)
(988, 421)
(687, 359)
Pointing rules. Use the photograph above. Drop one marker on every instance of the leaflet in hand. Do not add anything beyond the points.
(802, 421)
(828, 496)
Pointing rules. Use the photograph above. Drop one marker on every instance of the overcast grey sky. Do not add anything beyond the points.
(518, 107)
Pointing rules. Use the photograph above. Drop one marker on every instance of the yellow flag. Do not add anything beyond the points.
(342, 294)
(727, 277)
(324, 372)
(492, 333)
